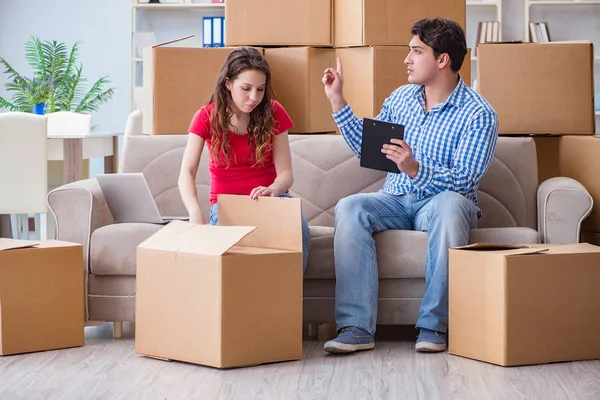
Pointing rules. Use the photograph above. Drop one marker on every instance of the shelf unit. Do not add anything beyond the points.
(497, 4)
(137, 11)
(533, 3)
(177, 6)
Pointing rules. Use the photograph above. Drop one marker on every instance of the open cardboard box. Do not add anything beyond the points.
(518, 305)
(211, 295)
(41, 296)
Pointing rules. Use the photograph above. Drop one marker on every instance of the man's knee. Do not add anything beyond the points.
(451, 204)
(351, 205)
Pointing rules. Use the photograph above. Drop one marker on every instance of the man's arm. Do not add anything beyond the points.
(351, 126)
(472, 159)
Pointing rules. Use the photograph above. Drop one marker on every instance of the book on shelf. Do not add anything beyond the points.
(487, 31)
(538, 32)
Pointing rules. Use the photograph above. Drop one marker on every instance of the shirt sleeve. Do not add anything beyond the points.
(200, 124)
(351, 127)
(283, 122)
(472, 159)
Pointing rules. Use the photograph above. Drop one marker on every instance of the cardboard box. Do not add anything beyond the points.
(517, 306)
(177, 82)
(579, 159)
(303, 97)
(387, 22)
(590, 237)
(211, 295)
(547, 149)
(278, 23)
(539, 88)
(41, 296)
(372, 73)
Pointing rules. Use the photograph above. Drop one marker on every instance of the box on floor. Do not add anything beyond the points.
(41, 296)
(211, 295)
(511, 305)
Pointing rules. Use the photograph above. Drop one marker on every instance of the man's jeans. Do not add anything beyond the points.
(214, 220)
(447, 217)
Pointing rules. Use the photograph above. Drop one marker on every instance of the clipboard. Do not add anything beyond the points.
(375, 135)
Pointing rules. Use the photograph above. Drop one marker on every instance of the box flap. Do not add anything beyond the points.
(278, 220)
(490, 246)
(10, 244)
(537, 44)
(184, 237)
(578, 248)
(506, 249)
(173, 41)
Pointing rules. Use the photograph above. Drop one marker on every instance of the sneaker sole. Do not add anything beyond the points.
(428, 347)
(340, 348)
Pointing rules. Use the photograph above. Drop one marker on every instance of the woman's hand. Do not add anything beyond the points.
(264, 191)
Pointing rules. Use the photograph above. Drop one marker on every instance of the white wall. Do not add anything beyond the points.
(103, 27)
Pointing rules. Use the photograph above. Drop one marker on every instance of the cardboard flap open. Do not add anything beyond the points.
(507, 249)
(184, 237)
(11, 244)
(173, 41)
(278, 220)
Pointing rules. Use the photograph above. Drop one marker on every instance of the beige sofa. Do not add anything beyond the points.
(515, 210)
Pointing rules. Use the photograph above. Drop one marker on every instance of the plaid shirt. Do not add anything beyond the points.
(454, 142)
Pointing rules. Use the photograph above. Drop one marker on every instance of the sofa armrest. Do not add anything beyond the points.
(563, 204)
(79, 208)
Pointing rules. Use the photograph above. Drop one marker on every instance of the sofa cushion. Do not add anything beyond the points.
(159, 158)
(113, 247)
(504, 236)
(326, 170)
(401, 254)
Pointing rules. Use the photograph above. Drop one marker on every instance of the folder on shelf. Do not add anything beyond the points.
(213, 32)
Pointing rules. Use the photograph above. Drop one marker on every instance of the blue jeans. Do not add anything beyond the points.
(214, 220)
(447, 217)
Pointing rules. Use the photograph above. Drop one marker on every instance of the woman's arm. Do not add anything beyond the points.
(187, 177)
(282, 158)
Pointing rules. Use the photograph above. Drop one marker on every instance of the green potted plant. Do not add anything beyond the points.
(57, 80)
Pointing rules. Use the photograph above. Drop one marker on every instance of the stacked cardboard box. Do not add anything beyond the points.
(177, 82)
(303, 38)
(547, 91)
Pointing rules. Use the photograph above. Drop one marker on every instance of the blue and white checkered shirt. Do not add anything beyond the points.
(454, 142)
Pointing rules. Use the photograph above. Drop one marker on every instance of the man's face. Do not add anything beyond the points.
(421, 65)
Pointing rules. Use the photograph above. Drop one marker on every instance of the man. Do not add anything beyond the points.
(450, 140)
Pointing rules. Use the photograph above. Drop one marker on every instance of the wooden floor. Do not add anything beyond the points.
(110, 369)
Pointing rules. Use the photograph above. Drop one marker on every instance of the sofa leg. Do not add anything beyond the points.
(117, 329)
(313, 330)
(327, 332)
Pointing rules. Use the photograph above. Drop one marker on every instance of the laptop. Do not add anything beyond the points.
(130, 200)
(375, 135)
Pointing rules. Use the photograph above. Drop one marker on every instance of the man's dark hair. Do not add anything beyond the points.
(443, 36)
